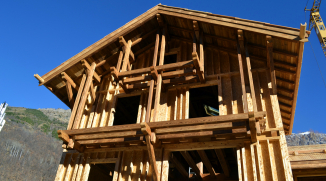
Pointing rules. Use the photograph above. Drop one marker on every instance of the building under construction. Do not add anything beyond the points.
(177, 94)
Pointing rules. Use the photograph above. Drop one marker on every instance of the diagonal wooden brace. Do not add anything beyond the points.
(150, 148)
(198, 66)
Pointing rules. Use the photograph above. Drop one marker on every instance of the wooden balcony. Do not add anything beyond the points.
(177, 135)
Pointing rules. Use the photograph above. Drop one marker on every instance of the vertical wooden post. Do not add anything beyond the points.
(119, 60)
(157, 42)
(251, 81)
(149, 103)
(81, 106)
(243, 85)
(74, 110)
(270, 63)
(159, 77)
(201, 49)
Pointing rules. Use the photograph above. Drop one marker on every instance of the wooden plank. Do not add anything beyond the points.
(224, 164)
(244, 164)
(152, 159)
(74, 110)
(201, 49)
(191, 163)
(149, 103)
(108, 135)
(243, 86)
(240, 176)
(253, 162)
(65, 159)
(206, 162)
(198, 66)
(297, 76)
(137, 79)
(162, 51)
(251, 81)
(83, 98)
(155, 125)
(68, 79)
(39, 78)
(113, 140)
(173, 66)
(204, 145)
(219, 21)
(103, 160)
(157, 42)
(270, 63)
(126, 62)
(119, 61)
(63, 136)
(179, 73)
(157, 97)
(117, 167)
(126, 45)
(85, 64)
(70, 95)
(165, 165)
(260, 162)
(195, 128)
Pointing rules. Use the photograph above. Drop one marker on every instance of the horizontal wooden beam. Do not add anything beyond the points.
(112, 140)
(196, 128)
(109, 135)
(205, 145)
(102, 160)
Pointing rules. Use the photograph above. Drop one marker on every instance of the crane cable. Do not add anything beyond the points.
(313, 50)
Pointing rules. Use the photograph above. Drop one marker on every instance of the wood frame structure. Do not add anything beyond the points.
(255, 66)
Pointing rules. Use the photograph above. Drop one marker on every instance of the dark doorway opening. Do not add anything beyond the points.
(203, 102)
(101, 172)
(126, 110)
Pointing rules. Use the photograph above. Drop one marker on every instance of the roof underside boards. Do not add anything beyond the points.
(219, 32)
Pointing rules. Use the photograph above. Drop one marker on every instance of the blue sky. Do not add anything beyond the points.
(37, 36)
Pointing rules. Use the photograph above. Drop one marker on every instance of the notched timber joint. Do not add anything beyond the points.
(257, 125)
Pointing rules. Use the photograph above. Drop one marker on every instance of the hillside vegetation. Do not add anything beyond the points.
(29, 146)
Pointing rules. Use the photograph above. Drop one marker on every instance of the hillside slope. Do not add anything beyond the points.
(29, 147)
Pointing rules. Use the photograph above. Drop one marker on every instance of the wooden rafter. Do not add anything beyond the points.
(191, 163)
(206, 162)
(223, 162)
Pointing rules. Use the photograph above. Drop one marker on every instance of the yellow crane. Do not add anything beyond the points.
(317, 23)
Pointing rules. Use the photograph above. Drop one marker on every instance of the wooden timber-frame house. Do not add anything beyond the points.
(176, 89)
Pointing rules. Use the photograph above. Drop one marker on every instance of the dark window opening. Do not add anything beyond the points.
(179, 168)
(170, 59)
(203, 102)
(101, 172)
(126, 110)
